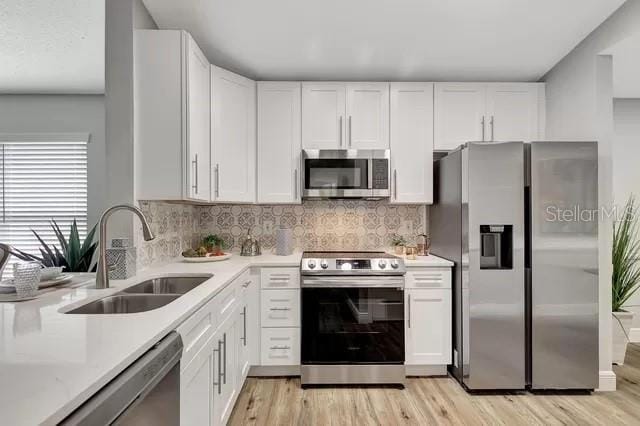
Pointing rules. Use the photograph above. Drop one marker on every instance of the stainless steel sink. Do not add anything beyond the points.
(125, 304)
(145, 296)
(167, 285)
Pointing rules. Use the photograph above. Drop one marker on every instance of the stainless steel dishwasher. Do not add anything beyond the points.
(146, 393)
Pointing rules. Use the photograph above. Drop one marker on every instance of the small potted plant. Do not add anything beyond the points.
(398, 243)
(214, 244)
(626, 277)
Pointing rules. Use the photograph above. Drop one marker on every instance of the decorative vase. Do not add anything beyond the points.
(621, 326)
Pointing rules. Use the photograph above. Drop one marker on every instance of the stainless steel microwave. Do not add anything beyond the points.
(346, 173)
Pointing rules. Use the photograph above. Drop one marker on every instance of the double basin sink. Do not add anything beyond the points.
(145, 296)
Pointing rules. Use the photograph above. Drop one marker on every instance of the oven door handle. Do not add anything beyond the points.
(353, 281)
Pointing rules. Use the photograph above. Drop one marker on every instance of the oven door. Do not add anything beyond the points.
(352, 325)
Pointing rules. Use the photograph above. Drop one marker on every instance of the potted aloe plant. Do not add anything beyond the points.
(626, 277)
(73, 255)
(398, 242)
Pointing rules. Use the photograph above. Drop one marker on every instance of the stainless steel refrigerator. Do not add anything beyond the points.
(519, 221)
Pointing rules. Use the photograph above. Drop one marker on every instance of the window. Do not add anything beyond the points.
(42, 177)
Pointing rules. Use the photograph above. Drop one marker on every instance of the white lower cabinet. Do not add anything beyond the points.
(225, 374)
(280, 346)
(196, 392)
(428, 326)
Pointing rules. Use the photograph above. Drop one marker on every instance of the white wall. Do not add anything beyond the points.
(579, 95)
(122, 17)
(63, 114)
(626, 173)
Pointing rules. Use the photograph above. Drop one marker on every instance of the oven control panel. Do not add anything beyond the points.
(352, 266)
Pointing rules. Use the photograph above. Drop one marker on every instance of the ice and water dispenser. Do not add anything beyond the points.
(496, 246)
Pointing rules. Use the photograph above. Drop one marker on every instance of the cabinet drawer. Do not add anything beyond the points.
(197, 329)
(279, 278)
(428, 278)
(280, 346)
(280, 308)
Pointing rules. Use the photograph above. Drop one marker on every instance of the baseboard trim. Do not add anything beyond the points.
(634, 335)
(425, 370)
(274, 370)
(607, 381)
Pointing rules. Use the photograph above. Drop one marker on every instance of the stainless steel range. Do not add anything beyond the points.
(352, 318)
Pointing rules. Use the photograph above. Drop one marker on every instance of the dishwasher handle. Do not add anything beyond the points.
(115, 399)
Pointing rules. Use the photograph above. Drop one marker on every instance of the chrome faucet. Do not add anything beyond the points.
(102, 276)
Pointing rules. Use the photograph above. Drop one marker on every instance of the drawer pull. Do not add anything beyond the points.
(284, 348)
(279, 309)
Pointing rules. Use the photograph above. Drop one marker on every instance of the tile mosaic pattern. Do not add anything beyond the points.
(316, 225)
(174, 228)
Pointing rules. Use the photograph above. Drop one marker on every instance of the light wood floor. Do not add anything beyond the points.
(427, 401)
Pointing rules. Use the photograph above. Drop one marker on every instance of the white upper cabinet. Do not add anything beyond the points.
(279, 142)
(233, 137)
(367, 116)
(459, 114)
(198, 124)
(171, 116)
(412, 143)
(512, 111)
(323, 115)
(487, 112)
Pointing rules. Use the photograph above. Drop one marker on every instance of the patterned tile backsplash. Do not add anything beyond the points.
(316, 225)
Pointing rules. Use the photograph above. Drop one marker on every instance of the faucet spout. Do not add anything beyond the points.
(102, 276)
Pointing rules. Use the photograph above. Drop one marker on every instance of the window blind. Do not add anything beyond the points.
(39, 181)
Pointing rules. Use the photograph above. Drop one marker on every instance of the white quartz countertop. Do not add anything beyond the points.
(51, 362)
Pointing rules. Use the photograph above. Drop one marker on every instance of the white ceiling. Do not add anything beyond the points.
(51, 46)
(626, 67)
(386, 39)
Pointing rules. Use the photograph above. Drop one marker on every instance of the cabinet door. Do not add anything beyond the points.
(198, 176)
(279, 142)
(512, 112)
(459, 114)
(243, 344)
(323, 116)
(428, 326)
(233, 137)
(225, 373)
(367, 116)
(196, 391)
(412, 142)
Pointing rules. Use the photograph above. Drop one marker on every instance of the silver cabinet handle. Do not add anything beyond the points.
(195, 174)
(350, 141)
(224, 357)
(244, 326)
(340, 121)
(491, 123)
(219, 382)
(295, 184)
(217, 174)
(279, 309)
(409, 309)
(395, 184)
(280, 347)
(482, 123)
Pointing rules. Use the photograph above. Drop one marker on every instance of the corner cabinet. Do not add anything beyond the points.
(345, 115)
(233, 137)
(171, 115)
(411, 118)
(487, 112)
(279, 142)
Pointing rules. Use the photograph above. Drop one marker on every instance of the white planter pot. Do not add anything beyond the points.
(621, 326)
